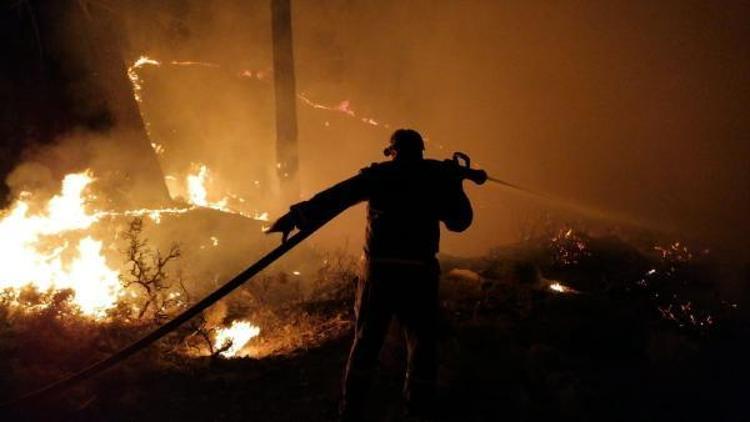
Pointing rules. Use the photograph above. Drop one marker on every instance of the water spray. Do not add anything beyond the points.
(478, 176)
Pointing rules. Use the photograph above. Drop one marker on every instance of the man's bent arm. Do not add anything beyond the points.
(457, 212)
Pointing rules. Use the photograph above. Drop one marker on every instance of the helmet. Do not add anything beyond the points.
(407, 141)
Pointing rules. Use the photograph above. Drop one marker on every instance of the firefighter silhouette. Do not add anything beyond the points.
(408, 196)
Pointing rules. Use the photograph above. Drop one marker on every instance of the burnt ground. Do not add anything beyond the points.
(511, 349)
(493, 369)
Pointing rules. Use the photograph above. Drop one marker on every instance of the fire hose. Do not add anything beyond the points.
(461, 167)
(168, 327)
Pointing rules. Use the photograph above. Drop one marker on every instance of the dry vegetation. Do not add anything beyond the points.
(643, 333)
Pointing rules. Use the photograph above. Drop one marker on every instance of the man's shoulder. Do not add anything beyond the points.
(377, 168)
(384, 168)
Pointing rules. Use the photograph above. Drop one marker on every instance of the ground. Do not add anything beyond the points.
(511, 349)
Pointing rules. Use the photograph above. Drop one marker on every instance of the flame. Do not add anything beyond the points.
(197, 192)
(561, 288)
(96, 286)
(135, 79)
(50, 246)
(342, 107)
(235, 337)
(193, 63)
(196, 184)
(154, 214)
(198, 195)
(557, 287)
(260, 75)
(158, 148)
(35, 252)
(144, 60)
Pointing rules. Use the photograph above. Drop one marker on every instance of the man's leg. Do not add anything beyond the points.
(419, 318)
(373, 313)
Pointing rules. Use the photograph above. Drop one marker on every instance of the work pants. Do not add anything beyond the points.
(408, 291)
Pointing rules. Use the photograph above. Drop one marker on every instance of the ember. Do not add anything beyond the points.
(568, 246)
(557, 287)
(135, 79)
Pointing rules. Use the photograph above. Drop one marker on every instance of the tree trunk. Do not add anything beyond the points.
(287, 160)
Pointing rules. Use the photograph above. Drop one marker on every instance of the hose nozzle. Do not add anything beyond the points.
(463, 162)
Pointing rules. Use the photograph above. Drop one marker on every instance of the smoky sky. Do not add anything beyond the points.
(635, 107)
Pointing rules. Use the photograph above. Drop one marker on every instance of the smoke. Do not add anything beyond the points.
(43, 166)
(634, 108)
(215, 315)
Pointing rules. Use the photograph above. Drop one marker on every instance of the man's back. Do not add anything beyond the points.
(406, 202)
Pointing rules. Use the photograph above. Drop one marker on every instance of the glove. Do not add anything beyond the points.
(284, 225)
(453, 176)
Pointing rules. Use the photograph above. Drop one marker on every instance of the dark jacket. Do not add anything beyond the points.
(406, 203)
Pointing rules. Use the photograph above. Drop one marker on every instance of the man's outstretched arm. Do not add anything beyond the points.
(323, 206)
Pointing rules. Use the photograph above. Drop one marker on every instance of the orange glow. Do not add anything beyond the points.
(135, 79)
(342, 107)
(50, 246)
(235, 337)
(561, 288)
(36, 253)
